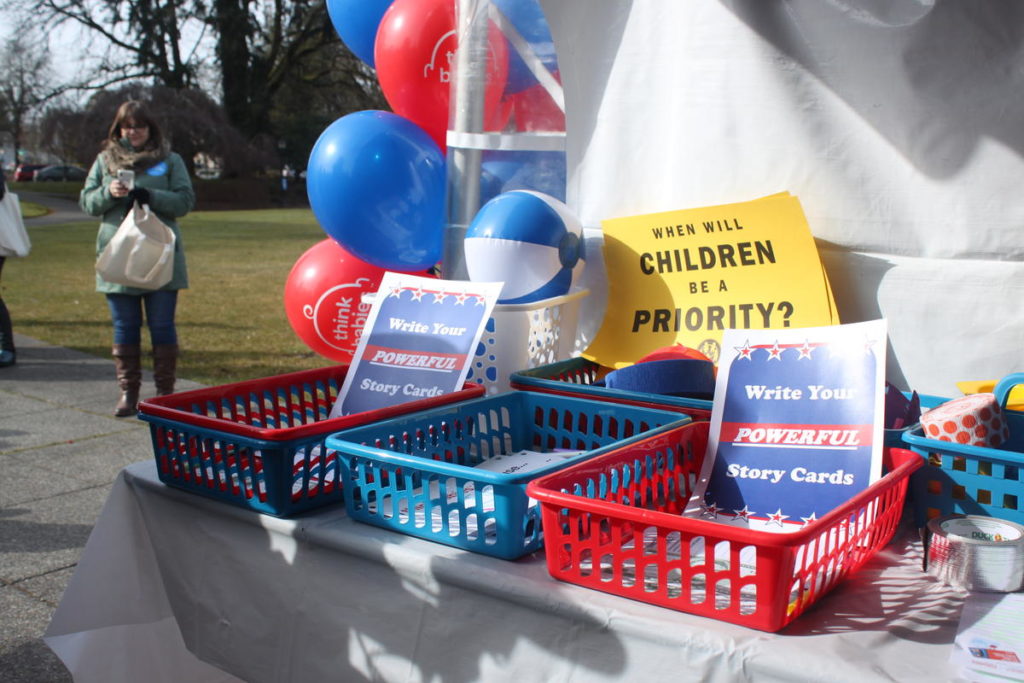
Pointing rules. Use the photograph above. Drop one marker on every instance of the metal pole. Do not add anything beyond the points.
(466, 116)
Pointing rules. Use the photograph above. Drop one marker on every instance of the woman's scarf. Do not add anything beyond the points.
(122, 155)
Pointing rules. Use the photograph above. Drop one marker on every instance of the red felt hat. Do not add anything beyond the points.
(674, 352)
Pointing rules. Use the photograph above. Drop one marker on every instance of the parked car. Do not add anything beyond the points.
(23, 172)
(206, 173)
(60, 173)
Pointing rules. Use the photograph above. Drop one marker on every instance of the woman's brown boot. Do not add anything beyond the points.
(165, 364)
(128, 365)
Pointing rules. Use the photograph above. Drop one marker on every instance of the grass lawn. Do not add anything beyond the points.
(231, 321)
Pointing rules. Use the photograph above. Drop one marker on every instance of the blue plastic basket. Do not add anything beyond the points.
(576, 376)
(971, 480)
(415, 474)
(259, 444)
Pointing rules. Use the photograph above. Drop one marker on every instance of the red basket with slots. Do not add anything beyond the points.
(259, 444)
(614, 524)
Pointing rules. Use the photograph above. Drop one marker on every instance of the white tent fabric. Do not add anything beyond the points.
(897, 123)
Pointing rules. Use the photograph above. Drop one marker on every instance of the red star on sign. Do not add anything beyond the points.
(745, 351)
(777, 517)
(709, 510)
(775, 351)
(743, 514)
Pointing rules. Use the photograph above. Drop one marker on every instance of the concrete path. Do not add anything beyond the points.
(60, 451)
(63, 209)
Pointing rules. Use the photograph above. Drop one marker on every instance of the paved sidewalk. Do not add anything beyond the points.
(63, 209)
(60, 451)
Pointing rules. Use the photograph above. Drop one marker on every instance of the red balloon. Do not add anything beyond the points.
(323, 299)
(415, 55)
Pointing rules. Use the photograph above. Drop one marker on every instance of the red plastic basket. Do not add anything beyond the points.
(259, 444)
(614, 524)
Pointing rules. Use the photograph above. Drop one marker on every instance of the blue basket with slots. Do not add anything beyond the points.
(971, 480)
(259, 444)
(457, 474)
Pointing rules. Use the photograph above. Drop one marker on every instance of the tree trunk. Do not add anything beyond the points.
(231, 22)
(243, 74)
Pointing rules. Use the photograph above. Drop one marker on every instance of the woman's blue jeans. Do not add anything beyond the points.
(126, 312)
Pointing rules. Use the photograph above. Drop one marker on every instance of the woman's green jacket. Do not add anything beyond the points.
(171, 196)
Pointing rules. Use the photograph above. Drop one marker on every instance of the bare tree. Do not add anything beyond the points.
(266, 48)
(270, 55)
(333, 82)
(259, 45)
(133, 39)
(192, 122)
(25, 83)
(61, 131)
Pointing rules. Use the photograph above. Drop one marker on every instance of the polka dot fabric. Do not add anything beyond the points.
(974, 420)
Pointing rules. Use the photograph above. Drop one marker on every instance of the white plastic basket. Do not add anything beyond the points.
(523, 336)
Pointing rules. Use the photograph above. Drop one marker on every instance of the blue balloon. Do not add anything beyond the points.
(376, 184)
(356, 22)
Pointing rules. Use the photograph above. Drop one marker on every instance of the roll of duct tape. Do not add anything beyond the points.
(976, 553)
(975, 420)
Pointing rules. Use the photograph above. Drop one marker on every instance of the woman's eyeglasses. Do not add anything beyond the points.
(133, 126)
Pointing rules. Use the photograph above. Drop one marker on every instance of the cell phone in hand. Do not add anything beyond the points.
(127, 178)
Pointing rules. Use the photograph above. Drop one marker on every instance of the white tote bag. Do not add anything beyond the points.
(13, 236)
(141, 252)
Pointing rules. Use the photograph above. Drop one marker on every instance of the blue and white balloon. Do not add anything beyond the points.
(530, 241)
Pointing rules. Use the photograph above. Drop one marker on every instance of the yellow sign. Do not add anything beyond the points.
(685, 276)
(1014, 401)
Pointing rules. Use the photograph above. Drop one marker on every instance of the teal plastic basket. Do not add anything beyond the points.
(971, 480)
(416, 473)
(576, 377)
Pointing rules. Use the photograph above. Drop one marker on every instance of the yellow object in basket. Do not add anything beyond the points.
(1015, 401)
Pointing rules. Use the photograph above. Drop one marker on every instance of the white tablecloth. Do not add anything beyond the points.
(174, 587)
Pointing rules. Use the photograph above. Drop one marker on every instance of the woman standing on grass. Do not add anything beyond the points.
(135, 143)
